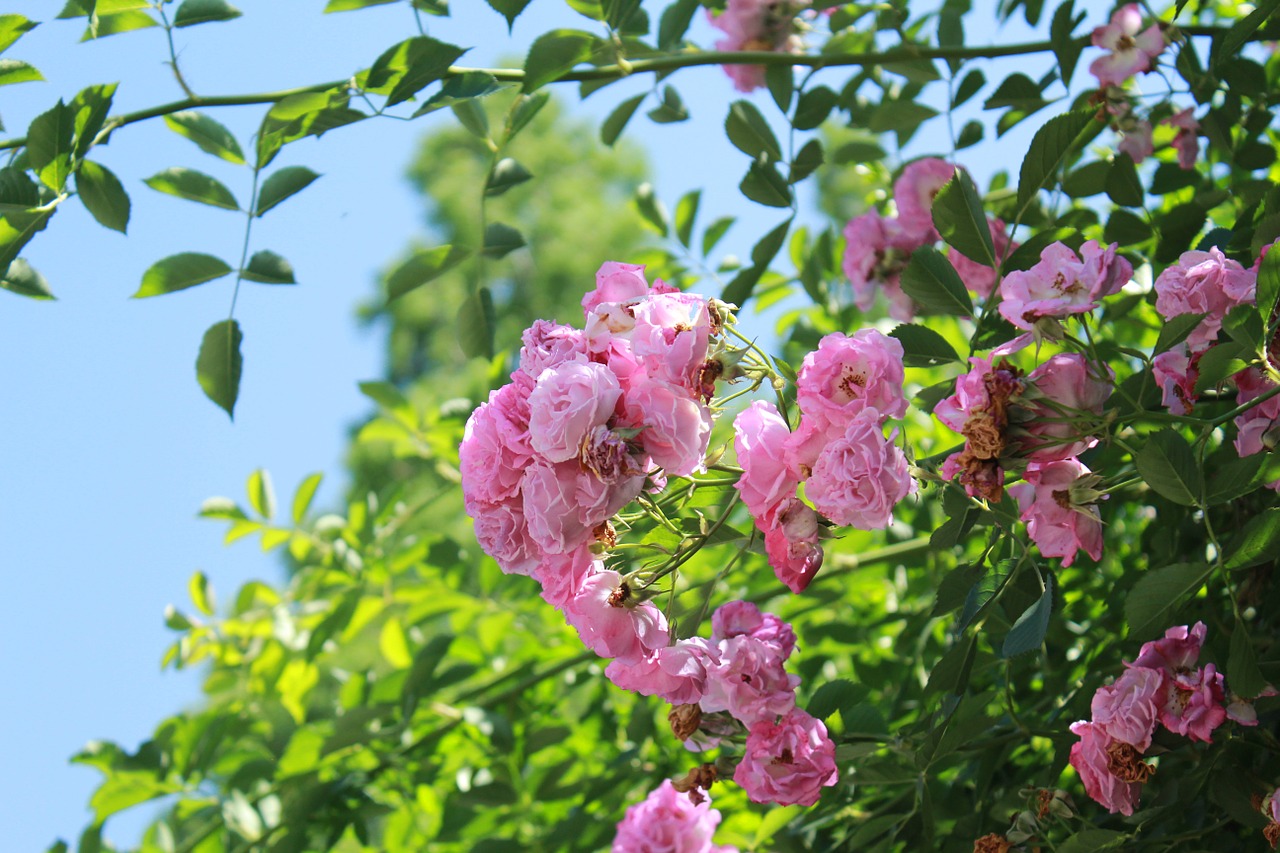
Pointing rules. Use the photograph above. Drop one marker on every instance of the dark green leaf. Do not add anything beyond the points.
(555, 53)
(49, 146)
(671, 109)
(352, 5)
(282, 184)
(1220, 362)
(16, 230)
(970, 85)
(411, 66)
(1126, 228)
(652, 209)
(219, 364)
(12, 28)
(1028, 631)
(1123, 186)
(1242, 30)
(858, 152)
(715, 231)
(424, 266)
(475, 324)
(1233, 479)
(838, 695)
(780, 80)
(462, 89)
(1158, 594)
(1243, 676)
(501, 240)
(178, 272)
(1018, 91)
(813, 108)
(425, 662)
(1049, 149)
(89, 109)
(951, 673)
(470, 114)
(739, 290)
(954, 588)
(764, 184)
(1065, 49)
(23, 279)
(192, 12)
(983, 591)
(934, 284)
(1259, 541)
(807, 159)
(103, 195)
(523, 109)
(1169, 467)
(923, 347)
(266, 267)
(959, 218)
(506, 174)
(16, 71)
(686, 215)
(1176, 330)
(211, 136)
(675, 23)
(1092, 841)
(194, 186)
(617, 120)
(509, 9)
(1178, 227)
(971, 134)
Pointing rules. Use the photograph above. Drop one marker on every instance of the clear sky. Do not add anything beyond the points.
(109, 447)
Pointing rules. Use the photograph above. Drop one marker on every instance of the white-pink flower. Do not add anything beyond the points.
(1206, 283)
(737, 618)
(675, 427)
(877, 250)
(1127, 709)
(1061, 284)
(1185, 141)
(1093, 757)
(676, 673)
(749, 681)
(1132, 48)
(760, 436)
(756, 25)
(1176, 372)
(791, 543)
(849, 374)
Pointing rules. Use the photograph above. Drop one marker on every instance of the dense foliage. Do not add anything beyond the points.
(1001, 495)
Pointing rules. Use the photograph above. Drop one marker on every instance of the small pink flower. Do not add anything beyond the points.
(616, 282)
(914, 192)
(1177, 651)
(861, 476)
(495, 447)
(1137, 141)
(1131, 51)
(756, 25)
(563, 504)
(848, 374)
(1127, 708)
(568, 402)
(1105, 271)
(1061, 284)
(981, 278)
(749, 681)
(788, 762)
(612, 624)
(670, 337)
(1066, 390)
(503, 534)
(760, 436)
(1203, 283)
(1255, 426)
(548, 344)
(1185, 141)
(1192, 703)
(877, 250)
(668, 820)
(791, 543)
(739, 618)
(675, 427)
(1176, 373)
(1093, 757)
(675, 673)
(1058, 526)
(563, 575)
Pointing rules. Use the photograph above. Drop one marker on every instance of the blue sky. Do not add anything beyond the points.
(109, 447)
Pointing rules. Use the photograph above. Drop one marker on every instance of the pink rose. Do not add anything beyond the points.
(749, 681)
(877, 250)
(612, 623)
(760, 435)
(675, 427)
(563, 504)
(1131, 50)
(1058, 526)
(914, 192)
(503, 534)
(569, 401)
(1192, 703)
(1066, 390)
(860, 477)
(791, 543)
(1185, 141)
(1256, 425)
(982, 278)
(1055, 287)
(1137, 142)
(788, 762)
(1176, 373)
(495, 447)
(1203, 283)
(1126, 709)
(616, 282)
(738, 618)
(548, 344)
(1092, 757)
(756, 25)
(675, 673)
(668, 820)
(848, 374)
(1105, 271)
(562, 575)
(671, 336)
(1177, 651)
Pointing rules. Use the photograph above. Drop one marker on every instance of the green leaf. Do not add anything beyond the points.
(193, 186)
(17, 227)
(304, 495)
(715, 233)
(506, 174)
(12, 28)
(983, 591)
(618, 12)
(951, 673)
(266, 267)
(835, 696)
(923, 347)
(554, 54)
(739, 290)
(523, 110)
(934, 284)
(675, 22)
(1028, 631)
(1065, 49)
(282, 184)
(201, 594)
(1233, 479)
(476, 320)
(262, 495)
(501, 240)
(386, 395)
(509, 9)
(353, 5)
(211, 136)
(971, 134)
(1122, 185)
(954, 588)
(1049, 149)
(1243, 29)
(959, 218)
(425, 664)
(652, 209)
(16, 71)
(1259, 541)
(1092, 841)
(411, 66)
(1220, 362)
(22, 278)
(813, 107)
(1243, 676)
(49, 146)
(670, 110)
(780, 80)
(617, 120)
(807, 159)
(193, 12)
(89, 109)
(1018, 91)
(424, 266)
(459, 89)
(750, 133)
(765, 185)
(178, 272)
(103, 195)
(1158, 594)
(686, 215)
(219, 364)
(1176, 330)
(122, 22)
(1268, 292)
(470, 114)
(1168, 465)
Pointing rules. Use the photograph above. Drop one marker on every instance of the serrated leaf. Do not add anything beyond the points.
(193, 186)
(686, 215)
(49, 145)
(671, 109)
(813, 107)
(12, 28)
(933, 283)
(739, 290)
(959, 217)
(715, 232)
(1176, 330)
(1168, 465)
(750, 133)
(554, 54)
(23, 279)
(201, 594)
(1048, 151)
(509, 9)
(675, 22)
(523, 110)
(219, 365)
(1158, 594)
(951, 673)
(1268, 292)
(424, 266)
(618, 119)
(178, 272)
(209, 135)
(353, 5)
(16, 71)
(1122, 183)
(1028, 631)
(103, 195)
(460, 89)
(89, 110)
(1233, 479)
(923, 347)
(954, 588)
(970, 85)
(506, 174)
(266, 267)
(983, 591)
(1259, 541)
(282, 184)
(780, 80)
(765, 185)
(476, 320)
(193, 12)
(501, 240)
(1243, 29)
(807, 159)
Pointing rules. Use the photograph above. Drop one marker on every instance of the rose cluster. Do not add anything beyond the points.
(1162, 686)
(1059, 285)
(878, 248)
(757, 25)
(853, 474)
(669, 819)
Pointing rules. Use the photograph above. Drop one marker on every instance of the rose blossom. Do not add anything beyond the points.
(1065, 389)
(1192, 703)
(668, 820)
(548, 344)
(1255, 425)
(1136, 141)
(1203, 283)
(1059, 526)
(1131, 50)
(562, 575)
(563, 504)
(616, 282)
(495, 447)
(675, 427)
(568, 402)
(1126, 709)
(1061, 284)
(749, 681)
(612, 624)
(759, 436)
(860, 477)
(1185, 141)
(756, 25)
(737, 618)
(791, 543)
(876, 252)
(848, 374)
(503, 534)
(1176, 371)
(914, 192)
(675, 673)
(670, 337)
(1178, 650)
(1096, 756)
(788, 762)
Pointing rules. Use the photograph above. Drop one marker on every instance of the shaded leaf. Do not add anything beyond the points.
(1243, 676)
(1028, 631)
(23, 279)
(1169, 467)
(506, 174)
(618, 119)
(750, 133)
(103, 195)
(501, 240)
(555, 53)
(266, 267)
(509, 9)
(192, 12)
(282, 184)
(1157, 595)
(211, 136)
(193, 186)
(765, 185)
(219, 364)
(923, 347)
(476, 320)
(652, 209)
(49, 145)
(16, 71)
(933, 283)
(959, 218)
(178, 272)
(1259, 541)
(675, 22)
(1049, 149)
(424, 266)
